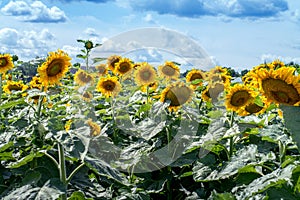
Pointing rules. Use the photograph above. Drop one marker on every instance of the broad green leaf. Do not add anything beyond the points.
(78, 195)
(221, 196)
(31, 177)
(291, 115)
(11, 104)
(25, 160)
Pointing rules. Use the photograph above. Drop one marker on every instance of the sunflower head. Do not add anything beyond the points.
(169, 70)
(54, 68)
(238, 96)
(112, 60)
(218, 70)
(109, 86)
(81, 77)
(145, 74)
(195, 75)
(11, 86)
(213, 91)
(95, 129)
(151, 87)
(280, 86)
(6, 63)
(101, 69)
(124, 66)
(87, 96)
(178, 94)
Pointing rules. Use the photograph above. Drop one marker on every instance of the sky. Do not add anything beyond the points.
(233, 33)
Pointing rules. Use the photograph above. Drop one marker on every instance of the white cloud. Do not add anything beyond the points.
(91, 32)
(9, 37)
(149, 18)
(34, 12)
(271, 57)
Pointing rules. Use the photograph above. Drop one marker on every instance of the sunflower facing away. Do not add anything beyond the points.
(87, 96)
(54, 68)
(14, 86)
(178, 94)
(101, 69)
(280, 86)
(195, 75)
(109, 86)
(82, 78)
(95, 129)
(124, 66)
(213, 92)
(144, 74)
(238, 96)
(169, 70)
(6, 63)
(112, 60)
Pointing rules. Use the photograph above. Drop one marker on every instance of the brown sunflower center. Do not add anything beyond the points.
(178, 95)
(3, 62)
(14, 87)
(54, 68)
(280, 91)
(239, 98)
(168, 70)
(145, 75)
(124, 67)
(196, 76)
(109, 85)
(253, 108)
(101, 70)
(86, 78)
(87, 95)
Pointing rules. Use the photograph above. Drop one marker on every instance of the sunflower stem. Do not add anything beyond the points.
(40, 102)
(231, 141)
(62, 170)
(0, 88)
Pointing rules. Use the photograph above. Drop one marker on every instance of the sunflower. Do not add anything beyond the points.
(194, 75)
(6, 63)
(280, 86)
(109, 86)
(238, 96)
(169, 70)
(101, 69)
(68, 125)
(124, 66)
(145, 74)
(252, 108)
(95, 129)
(112, 60)
(54, 68)
(213, 91)
(82, 78)
(87, 96)
(218, 70)
(35, 83)
(151, 87)
(14, 86)
(213, 78)
(178, 94)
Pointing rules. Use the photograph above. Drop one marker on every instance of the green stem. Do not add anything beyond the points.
(74, 172)
(62, 170)
(147, 101)
(231, 141)
(53, 159)
(0, 88)
(40, 103)
(169, 186)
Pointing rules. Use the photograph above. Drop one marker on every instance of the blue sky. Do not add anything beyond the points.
(234, 33)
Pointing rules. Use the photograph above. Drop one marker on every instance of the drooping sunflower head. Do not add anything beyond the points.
(82, 78)
(178, 94)
(11, 86)
(238, 96)
(112, 60)
(124, 66)
(169, 70)
(213, 91)
(101, 69)
(109, 86)
(218, 77)
(87, 96)
(54, 68)
(280, 86)
(6, 63)
(144, 74)
(95, 129)
(195, 75)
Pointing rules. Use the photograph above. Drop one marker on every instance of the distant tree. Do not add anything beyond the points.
(244, 71)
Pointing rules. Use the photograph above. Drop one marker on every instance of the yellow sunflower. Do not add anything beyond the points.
(169, 70)
(145, 74)
(36, 83)
(14, 86)
(109, 86)
(101, 69)
(213, 91)
(54, 68)
(6, 63)
(82, 78)
(193, 75)
(218, 70)
(68, 125)
(95, 129)
(151, 87)
(280, 86)
(213, 78)
(238, 96)
(87, 96)
(112, 60)
(178, 94)
(124, 66)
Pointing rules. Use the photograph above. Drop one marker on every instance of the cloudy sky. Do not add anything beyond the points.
(234, 33)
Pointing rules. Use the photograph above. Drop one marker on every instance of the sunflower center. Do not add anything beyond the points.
(168, 70)
(124, 67)
(86, 95)
(280, 91)
(101, 70)
(85, 78)
(54, 68)
(14, 87)
(3, 62)
(109, 85)
(239, 98)
(178, 95)
(196, 76)
(253, 108)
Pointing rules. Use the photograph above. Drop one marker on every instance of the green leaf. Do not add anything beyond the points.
(221, 196)
(11, 104)
(31, 177)
(78, 195)
(25, 160)
(292, 119)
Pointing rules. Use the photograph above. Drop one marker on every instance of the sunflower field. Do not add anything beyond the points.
(120, 129)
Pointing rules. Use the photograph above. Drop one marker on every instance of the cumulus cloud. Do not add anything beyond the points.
(272, 57)
(34, 12)
(26, 44)
(91, 32)
(95, 1)
(197, 8)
